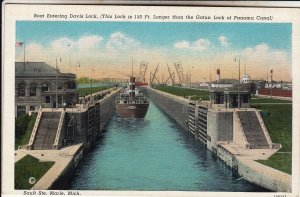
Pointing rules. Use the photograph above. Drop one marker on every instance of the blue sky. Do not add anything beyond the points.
(277, 36)
(185, 42)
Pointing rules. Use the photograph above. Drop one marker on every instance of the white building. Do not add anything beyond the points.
(246, 78)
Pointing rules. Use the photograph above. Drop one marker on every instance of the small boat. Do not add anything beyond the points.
(132, 103)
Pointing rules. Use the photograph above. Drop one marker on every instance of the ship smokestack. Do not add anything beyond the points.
(132, 87)
(218, 76)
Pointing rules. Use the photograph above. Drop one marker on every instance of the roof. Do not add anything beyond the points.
(236, 92)
(34, 68)
(244, 88)
(219, 90)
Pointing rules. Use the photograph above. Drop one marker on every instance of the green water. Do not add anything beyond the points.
(153, 154)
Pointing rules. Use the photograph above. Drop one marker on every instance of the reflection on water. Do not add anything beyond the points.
(153, 154)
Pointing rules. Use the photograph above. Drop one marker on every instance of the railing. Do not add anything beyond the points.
(235, 114)
(91, 99)
(58, 132)
(34, 130)
(265, 130)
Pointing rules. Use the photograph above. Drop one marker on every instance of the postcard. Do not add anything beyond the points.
(144, 100)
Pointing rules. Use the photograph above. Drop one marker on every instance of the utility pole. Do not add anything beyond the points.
(69, 45)
(77, 65)
(239, 94)
(56, 95)
(190, 80)
(24, 57)
(209, 78)
(91, 81)
(271, 72)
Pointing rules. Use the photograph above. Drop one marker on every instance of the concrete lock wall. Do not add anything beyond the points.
(219, 123)
(264, 176)
(77, 122)
(66, 175)
(80, 126)
(224, 127)
(225, 156)
(107, 108)
(77, 126)
(174, 106)
(219, 127)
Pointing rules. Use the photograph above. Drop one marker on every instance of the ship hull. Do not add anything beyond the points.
(132, 110)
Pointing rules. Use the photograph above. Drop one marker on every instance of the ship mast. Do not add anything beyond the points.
(132, 83)
(132, 66)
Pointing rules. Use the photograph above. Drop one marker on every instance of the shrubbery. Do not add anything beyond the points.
(23, 128)
(22, 124)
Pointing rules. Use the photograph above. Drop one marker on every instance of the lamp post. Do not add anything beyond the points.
(77, 65)
(69, 45)
(56, 93)
(91, 81)
(239, 96)
(271, 83)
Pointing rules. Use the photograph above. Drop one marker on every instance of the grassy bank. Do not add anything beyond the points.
(86, 80)
(279, 161)
(29, 167)
(267, 100)
(86, 91)
(185, 92)
(279, 124)
(23, 129)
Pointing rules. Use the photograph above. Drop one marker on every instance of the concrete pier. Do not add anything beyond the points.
(227, 134)
(76, 131)
(176, 107)
(66, 160)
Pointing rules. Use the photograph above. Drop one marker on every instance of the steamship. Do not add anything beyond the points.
(131, 103)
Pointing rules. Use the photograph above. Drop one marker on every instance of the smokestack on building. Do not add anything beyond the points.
(218, 76)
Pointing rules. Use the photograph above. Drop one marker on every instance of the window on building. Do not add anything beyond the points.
(71, 85)
(32, 108)
(33, 89)
(45, 87)
(48, 100)
(21, 89)
(245, 99)
(59, 99)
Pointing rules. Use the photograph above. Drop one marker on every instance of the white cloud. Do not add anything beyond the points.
(224, 41)
(33, 52)
(201, 44)
(89, 42)
(120, 41)
(182, 45)
(198, 45)
(116, 51)
(256, 60)
(258, 53)
(61, 44)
